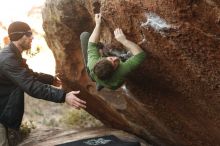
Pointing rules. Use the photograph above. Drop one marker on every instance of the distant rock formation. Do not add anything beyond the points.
(174, 97)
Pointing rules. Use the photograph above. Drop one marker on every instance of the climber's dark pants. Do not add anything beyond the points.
(84, 39)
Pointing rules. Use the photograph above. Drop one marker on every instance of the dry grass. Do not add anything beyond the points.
(45, 114)
(80, 119)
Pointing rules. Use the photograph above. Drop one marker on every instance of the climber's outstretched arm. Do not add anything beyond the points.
(94, 38)
(129, 45)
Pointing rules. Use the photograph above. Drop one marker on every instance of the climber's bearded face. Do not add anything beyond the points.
(114, 61)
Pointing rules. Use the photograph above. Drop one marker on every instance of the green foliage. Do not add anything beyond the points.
(80, 119)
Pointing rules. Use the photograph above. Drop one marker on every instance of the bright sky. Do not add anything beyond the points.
(12, 10)
(17, 10)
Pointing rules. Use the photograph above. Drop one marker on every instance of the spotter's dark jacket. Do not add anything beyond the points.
(15, 79)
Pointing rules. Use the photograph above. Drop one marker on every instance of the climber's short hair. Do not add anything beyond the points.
(103, 69)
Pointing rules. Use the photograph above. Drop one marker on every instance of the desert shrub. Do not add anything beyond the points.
(80, 119)
(26, 128)
(15, 137)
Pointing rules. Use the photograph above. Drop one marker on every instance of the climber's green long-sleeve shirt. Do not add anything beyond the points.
(118, 76)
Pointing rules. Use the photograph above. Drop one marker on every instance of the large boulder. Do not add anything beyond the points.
(173, 97)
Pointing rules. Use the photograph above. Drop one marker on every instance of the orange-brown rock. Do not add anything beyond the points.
(173, 97)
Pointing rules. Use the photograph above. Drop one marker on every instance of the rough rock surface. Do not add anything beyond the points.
(51, 137)
(173, 97)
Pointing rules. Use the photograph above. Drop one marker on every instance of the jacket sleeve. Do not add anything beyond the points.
(23, 78)
(42, 77)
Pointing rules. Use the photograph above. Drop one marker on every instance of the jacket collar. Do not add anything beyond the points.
(15, 50)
